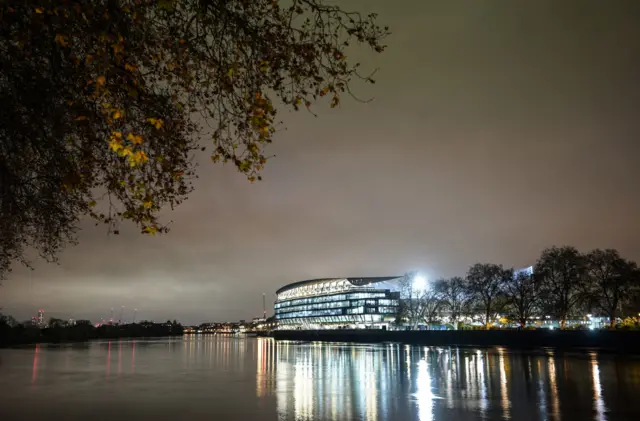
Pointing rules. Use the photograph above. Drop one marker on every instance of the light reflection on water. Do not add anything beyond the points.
(261, 379)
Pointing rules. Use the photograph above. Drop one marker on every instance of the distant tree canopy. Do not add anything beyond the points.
(109, 99)
(565, 285)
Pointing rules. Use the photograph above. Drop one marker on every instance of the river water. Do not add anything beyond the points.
(238, 378)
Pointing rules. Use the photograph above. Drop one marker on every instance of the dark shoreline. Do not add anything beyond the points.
(21, 336)
(616, 341)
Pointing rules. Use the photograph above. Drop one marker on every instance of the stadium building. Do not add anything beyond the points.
(338, 302)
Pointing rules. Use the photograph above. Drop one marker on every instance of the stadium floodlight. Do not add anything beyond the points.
(419, 283)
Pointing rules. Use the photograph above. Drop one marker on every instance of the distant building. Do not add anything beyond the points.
(40, 320)
(336, 302)
(526, 271)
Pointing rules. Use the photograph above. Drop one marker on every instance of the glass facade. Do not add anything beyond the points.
(337, 302)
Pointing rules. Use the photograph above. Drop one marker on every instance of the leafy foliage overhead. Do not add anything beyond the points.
(109, 99)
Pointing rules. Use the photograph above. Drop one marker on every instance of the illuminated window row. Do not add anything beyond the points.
(356, 310)
(323, 312)
(309, 313)
(327, 298)
(326, 287)
(335, 304)
(388, 302)
(353, 319)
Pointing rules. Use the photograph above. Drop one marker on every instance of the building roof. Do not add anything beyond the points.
(355, 281)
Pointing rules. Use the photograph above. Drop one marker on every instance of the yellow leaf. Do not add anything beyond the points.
(137, 140)
(130, 137)
(92, 203)
(62, 40)
(115, 145)
(130, 67)
(101, 80)
(150, 230)
(148, 204)
(39, 10)
(141, 157)
(117, 134)
(230, 72)
(156, 122)
(117, 115)
(81, 118)
(125, 151)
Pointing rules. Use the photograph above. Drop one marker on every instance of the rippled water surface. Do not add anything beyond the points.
(237, 378)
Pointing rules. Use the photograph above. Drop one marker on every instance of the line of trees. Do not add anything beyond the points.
(14, 333)
(565, 284)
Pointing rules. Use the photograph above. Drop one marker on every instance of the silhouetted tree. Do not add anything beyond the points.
(56, 323)
(486, 282)
(562, 273)
(612, 281)
(523, 295)
(454, 296)
(419, 304)
(97, 100)
(8, 320)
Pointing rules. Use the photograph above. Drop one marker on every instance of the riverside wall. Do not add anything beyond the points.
(614, 340)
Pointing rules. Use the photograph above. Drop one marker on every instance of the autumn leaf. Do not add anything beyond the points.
(62, 40)
(157, 123)
(115, 145)
(150, 230)
(81, 118)
(147, 204)
(39, 10)
(135, 139)
(116, 114)
(101, 80)
(117, 48)
(138, 157)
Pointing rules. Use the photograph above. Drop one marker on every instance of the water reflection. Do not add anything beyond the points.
(34, 368)
(555, 400)
(597, 389)
(339, 381)
(261, 379)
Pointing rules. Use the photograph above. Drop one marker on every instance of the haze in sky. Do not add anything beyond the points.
(497, 129)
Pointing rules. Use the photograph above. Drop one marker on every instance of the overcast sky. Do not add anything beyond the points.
(498, 128)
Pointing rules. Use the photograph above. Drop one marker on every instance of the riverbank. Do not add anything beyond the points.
(19, 336)
(616, 340)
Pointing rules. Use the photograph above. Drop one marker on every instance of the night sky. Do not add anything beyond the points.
(498, 128)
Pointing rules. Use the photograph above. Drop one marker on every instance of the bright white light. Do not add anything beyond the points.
(592, 327)
(419, 283)
(550, 327)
